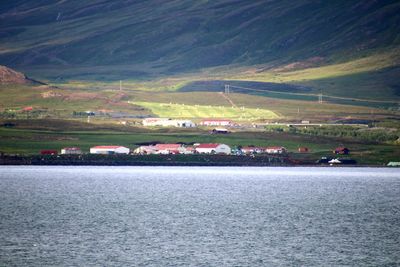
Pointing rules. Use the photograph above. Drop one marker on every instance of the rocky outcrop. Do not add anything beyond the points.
(9, 76)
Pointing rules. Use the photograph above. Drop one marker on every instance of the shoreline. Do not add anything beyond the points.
(164, 160)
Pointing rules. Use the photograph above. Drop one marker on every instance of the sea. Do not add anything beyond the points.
(199, 216)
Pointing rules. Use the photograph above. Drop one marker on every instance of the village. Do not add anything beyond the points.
(181, 148)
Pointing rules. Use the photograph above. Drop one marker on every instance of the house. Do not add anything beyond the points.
(219, 131)
(109, 150)
(303, 150)
(213, 149)
(275, 150)
(190, 150)
(167, 122)
(71, 151)
(216, 122)
(251, 150)
(48, 152)
(169, 149)
(164, 149)
(184, 123)
(341, 151)
(144, 150)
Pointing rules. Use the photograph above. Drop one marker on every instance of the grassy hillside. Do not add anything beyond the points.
(52, 102)
(106, 40)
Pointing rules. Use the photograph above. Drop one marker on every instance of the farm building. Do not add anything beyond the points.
(213, 149)
(71, 151)
(341, 150)
(169, 149)
(144, 150)
(109, 150)
(190, 150)
(252, 150)
(215, 122)
(48, 152)
(275, 150)
(163, 149)
(167, 122)
(219, 131)
(303, 150)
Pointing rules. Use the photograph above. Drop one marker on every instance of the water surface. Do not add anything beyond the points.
(199, 216)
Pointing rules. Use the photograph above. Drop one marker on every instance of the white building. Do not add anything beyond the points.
(215, 122)
(71, 151)
(167, 122)
(109, 150)
(275, 150)
(145, 150)
(163, 149)
(213, 149)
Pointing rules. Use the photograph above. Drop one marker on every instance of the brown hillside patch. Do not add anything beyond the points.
(84, 96)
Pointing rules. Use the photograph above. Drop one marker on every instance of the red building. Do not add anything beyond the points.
(341, 151)
(48, 152)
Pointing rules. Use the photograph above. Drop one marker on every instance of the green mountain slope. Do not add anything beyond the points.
(128, 39)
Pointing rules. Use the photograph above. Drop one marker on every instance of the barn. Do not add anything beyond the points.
(108, 150)
(213, 149)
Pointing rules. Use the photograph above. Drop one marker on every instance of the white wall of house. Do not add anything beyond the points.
(275, 150)
(67, 151)
(118, 150)
(220, 149)
(166, 122)
(216, 122)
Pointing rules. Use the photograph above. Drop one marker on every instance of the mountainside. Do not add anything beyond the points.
(128, 39)
(9, 76)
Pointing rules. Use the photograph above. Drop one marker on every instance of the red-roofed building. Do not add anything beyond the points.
(109, 150)
(213, 149)
(341, 151)
(48, 152)
(169, 149)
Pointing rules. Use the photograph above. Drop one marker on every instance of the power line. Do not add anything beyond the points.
(315, 95)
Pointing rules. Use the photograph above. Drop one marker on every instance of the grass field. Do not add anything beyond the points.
(199, 111)
(24, 140)
(286, 109)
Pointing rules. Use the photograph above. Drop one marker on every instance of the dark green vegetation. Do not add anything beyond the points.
(31, 137)
(148, 160)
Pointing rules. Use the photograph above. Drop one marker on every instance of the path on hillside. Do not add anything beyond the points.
(228, 99)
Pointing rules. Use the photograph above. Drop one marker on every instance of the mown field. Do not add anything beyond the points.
(171, 110)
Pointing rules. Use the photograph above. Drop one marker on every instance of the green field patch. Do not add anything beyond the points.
(202, 111)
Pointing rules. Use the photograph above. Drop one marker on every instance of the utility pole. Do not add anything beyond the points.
(227, 88)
